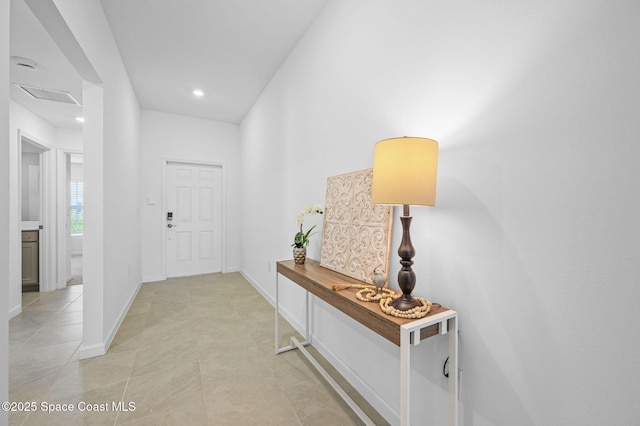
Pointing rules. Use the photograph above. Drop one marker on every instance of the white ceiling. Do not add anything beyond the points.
(30, 40)
(230, 49)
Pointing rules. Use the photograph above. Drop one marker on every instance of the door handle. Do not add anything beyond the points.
(170, 225)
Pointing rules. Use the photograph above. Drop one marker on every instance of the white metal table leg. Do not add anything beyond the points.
(277, 314)
(410, 335)
(453, 371)
(307, 330)
(405, 376)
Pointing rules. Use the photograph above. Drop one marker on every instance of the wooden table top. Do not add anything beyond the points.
(318, 280)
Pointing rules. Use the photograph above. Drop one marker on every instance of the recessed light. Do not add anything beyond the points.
(80, 119)
(198, 93)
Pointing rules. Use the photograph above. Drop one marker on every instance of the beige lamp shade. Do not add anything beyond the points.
(405, 171)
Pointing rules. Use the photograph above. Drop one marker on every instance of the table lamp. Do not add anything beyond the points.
(404, 173)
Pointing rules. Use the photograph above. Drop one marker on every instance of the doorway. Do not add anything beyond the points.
(193, 218)
(74, 218)
(37, 214)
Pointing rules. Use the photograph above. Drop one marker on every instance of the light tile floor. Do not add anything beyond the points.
(191, 351)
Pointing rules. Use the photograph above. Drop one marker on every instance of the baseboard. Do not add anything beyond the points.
(285, 313)
(123, 314)
(16, 310)
(85, 352)
(100, 349)
(156, 278)
(258, 288)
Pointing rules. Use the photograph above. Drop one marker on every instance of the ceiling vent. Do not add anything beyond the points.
(49, 95)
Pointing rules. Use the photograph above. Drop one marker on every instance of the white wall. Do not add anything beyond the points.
(169, 136)
(23, 119)
(76, 171)
(111, 145)
(30, 188)
(5, 211)
(534, 239)
(69, 140)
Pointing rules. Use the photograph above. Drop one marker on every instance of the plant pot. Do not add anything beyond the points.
(299, 255)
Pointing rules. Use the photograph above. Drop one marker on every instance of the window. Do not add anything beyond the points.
(77, 209)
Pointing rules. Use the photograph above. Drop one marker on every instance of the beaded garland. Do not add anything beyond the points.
(369, 293)
(413, 313)
(372, 295)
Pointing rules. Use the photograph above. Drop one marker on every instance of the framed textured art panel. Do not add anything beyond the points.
(356, 235)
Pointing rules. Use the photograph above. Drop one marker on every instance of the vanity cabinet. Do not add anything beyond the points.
(30, 261)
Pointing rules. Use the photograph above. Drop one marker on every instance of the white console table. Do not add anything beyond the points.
(404, 333)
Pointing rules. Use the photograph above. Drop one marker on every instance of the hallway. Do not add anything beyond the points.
(195, 350)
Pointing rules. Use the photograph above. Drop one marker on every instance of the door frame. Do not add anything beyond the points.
(47, 235)
(163, 208)
(64, 242)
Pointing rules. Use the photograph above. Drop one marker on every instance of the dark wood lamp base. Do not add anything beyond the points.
(406, 276)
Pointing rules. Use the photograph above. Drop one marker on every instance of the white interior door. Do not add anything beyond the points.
(193, 218)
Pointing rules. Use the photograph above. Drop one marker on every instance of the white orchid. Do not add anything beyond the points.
(316, 209)
(301, 238)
